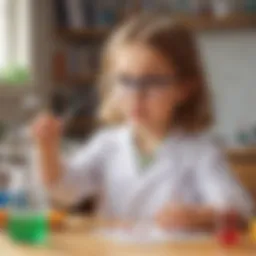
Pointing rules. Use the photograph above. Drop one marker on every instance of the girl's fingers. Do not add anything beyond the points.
(164, 219)
(46, 127)
(172, 217)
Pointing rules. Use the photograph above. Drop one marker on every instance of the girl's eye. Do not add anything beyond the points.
(125, 80)
(160, 80)
(149, 81)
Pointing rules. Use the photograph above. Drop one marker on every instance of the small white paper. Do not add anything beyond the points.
(148, 234)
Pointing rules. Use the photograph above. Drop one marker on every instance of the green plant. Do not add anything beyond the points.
(14, 74)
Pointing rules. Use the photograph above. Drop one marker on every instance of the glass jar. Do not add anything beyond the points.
(27, 213)
(28, 207)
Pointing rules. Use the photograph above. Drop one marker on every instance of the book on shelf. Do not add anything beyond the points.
(87, 61)
(72, 61)
(75, 64)
(177, 6)
(59, 66)
(61, 13)
(84, 62)
(81, 14)
(75, 15)
(80, 68)
(161, 5)
(88, 8)
(94, 58)
(106, 13)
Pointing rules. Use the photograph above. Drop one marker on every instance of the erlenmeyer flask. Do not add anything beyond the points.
(28, 208)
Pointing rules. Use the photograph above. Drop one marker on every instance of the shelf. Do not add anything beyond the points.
(198, 23)
(82, 34)
(79, 80)
(232, 22)
(243, 151)
(243, 155)
(82, 80)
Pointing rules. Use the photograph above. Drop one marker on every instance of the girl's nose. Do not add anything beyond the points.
(139, 95)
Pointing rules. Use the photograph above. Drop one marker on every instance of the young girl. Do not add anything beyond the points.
(154, 161)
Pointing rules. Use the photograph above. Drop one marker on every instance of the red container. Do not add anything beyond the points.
(228, 230)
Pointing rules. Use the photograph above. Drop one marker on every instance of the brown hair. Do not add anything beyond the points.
(176, 43)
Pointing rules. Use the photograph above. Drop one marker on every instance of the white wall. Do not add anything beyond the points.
(230, 60)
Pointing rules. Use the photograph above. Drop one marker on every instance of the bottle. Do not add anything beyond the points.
(28, 207)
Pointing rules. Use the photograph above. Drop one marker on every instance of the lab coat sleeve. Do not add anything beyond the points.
(219, 187)
(82, 172)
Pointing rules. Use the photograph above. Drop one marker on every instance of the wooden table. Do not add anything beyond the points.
(82, 243)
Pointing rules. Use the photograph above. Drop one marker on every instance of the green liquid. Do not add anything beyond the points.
(30, 228)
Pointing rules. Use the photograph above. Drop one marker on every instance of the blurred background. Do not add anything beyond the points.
(50, 51)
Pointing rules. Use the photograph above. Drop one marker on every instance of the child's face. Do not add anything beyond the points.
(147, 89)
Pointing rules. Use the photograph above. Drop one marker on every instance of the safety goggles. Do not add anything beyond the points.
(146, 83)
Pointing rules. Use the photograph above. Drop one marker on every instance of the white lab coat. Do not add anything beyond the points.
(187, 169)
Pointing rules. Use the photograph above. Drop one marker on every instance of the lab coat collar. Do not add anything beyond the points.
(166, 160)
(171, 140)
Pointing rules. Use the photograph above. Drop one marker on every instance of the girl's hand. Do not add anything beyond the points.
(47, 131)
(176, 217)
